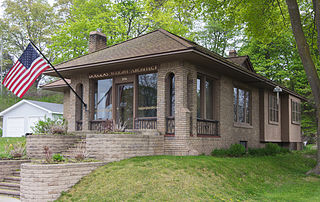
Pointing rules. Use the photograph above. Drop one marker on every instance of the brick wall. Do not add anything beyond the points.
(56, 143)
(115, 147)
(45, 182)
(8, 166)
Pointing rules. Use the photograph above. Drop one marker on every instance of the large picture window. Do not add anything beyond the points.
(103, 99)
(273, 109)
(241, 104)
(147, 95)
(205, 97)
(295, 112)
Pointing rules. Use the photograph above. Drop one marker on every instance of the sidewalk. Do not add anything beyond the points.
(8, 199)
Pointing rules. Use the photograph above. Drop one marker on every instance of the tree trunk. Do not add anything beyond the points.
(308, 65)
(316, 9)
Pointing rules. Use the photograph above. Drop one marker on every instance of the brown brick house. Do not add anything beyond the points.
(197, 100)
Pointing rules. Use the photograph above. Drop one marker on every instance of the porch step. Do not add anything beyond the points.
(13, 179)
(16, 173)
(7, 192)
(10, 185)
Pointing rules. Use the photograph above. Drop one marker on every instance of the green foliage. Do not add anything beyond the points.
(12, 147)
(50, 126)
(57, 158)
(119, 20)
(235, 150)
(0, 132)
(200, 178)
(270, 149)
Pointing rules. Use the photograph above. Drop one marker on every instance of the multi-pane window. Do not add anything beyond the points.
(273, 108)
(205, 97)
(171, 94)
(241, 104)
(103, 99)
(147, 95)
(295, 112)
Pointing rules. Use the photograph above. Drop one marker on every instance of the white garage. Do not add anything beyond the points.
(19, 118)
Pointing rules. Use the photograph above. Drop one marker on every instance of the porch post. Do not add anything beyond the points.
(161, 100)
(86, 98)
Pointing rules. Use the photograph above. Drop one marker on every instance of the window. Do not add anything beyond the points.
(273, 108)
(241, 104)
(103, 99)
(147, 95)
(205, 91)
(172, 94)
(295, 112)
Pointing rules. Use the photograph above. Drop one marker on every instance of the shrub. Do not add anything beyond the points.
(80, 152)
(16, 150)
(50, 126)
(57, 158)
(0, 132)
(220, 152)
(237, 150)
(272, 149)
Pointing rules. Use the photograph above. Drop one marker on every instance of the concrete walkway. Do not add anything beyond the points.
(8, 199)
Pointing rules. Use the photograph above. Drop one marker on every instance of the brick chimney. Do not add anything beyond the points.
(97, 41)
(233, 53)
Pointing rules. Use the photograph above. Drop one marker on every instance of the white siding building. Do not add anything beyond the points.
(19, 118)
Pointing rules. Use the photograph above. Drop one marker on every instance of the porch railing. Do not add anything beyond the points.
(78, 125)
(170, 124)
(101, 125)
(207, 127)
(145, 123)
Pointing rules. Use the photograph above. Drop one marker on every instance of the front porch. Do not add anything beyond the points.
(167, 97)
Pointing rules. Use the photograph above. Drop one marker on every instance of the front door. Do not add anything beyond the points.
(125, 105)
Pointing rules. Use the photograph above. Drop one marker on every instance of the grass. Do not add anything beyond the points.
(6, 141)
(201, 178)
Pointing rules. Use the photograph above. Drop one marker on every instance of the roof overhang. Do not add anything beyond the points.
(193, 55)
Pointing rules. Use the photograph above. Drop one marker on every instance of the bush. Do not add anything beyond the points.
(50, 126)
(57, 158)
(220, 152)
(0, 132)
(270, 149)
(237, 150)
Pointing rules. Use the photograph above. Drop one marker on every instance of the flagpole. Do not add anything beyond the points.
(84, 104)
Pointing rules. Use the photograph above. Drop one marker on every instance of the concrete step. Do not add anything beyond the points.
(14, 179)
(16, 173)
(10, 186)
(14, 193)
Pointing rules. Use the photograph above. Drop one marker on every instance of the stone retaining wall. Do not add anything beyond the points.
(56, 144)
(45, 182)
(8, 166)
(115, 147)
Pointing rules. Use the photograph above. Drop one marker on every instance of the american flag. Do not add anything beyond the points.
(25, 71)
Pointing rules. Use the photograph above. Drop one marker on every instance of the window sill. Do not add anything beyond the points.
(273, 123)
(242, 125)
(295, 123)
(210, 136)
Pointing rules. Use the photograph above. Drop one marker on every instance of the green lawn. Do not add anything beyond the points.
(201, 178)
(7, 141)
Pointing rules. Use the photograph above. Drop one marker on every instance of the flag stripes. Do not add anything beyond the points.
(19, 79)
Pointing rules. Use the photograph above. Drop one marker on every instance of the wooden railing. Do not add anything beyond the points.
(101, 125)
(207, 127)
(78, 125)
(170, 125)
(145, 123)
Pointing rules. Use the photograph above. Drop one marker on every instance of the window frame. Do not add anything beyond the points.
(203, 97)
(295, 112)
(237, 122)
(273, 109)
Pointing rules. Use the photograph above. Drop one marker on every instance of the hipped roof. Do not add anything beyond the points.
(156, 44)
